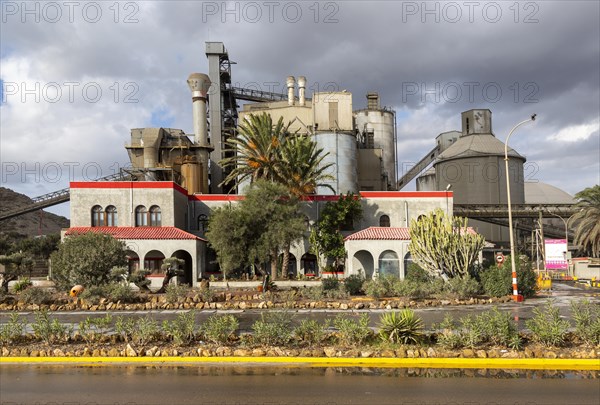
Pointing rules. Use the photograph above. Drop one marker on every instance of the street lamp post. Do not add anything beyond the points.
(516, 296)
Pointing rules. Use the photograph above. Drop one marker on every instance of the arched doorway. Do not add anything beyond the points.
(133, 261)
(308, 262)
(389, 265)
(362, 263)
(153, 261)
(187, 277)
(408, 260)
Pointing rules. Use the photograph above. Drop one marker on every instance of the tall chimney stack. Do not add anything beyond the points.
(290, 86)
(302, 90)
(199, 84)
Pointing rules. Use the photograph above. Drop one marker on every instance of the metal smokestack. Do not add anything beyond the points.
(302, 90)
(199, 84)
(290, 86)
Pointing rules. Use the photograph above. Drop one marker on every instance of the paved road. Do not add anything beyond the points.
(563, 295)
(269, 385)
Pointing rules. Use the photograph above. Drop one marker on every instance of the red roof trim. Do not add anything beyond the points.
(141, 232)
(128, 185)
(215, 197)
(406, 194)
(363, 194)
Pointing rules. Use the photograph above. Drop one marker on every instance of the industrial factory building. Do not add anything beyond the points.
(160, 207)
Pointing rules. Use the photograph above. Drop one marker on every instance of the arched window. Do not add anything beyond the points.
(202, 222)
(155, 216)
(141, 216)
(384, 221)
(388, 264)
(97, 216)
(111, 216)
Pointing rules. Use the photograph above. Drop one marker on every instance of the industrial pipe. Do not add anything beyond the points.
(302, 90)
(291, 82)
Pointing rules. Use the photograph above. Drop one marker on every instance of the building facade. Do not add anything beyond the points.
(159, 219)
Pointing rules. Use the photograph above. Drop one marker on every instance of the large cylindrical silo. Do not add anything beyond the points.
(474, 167)
(341, 149)
(381, 122)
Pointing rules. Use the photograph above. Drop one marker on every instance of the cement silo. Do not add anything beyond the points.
(380, 124)
(474, 167)
(341, 149)
(334, 133)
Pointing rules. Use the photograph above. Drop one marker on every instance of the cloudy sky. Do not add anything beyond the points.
(77, 76)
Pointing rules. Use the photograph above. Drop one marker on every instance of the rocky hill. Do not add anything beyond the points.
(28, 224)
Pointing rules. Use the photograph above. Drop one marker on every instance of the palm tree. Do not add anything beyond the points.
(587, 220)
(300, 167)
(301, 170)
(255, 149)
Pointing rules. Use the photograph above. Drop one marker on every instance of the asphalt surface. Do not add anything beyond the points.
(287, 385)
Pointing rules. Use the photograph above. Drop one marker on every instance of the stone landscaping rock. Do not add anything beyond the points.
(482, 354)
(58, 353)
(130, 351)
(242, 353)
(330, 351)
(468, 353)
(366, 353)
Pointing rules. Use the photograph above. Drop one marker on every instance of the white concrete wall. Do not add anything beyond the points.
(171, 202)
(376, 248)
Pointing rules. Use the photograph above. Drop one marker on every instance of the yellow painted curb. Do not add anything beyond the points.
(543, 364)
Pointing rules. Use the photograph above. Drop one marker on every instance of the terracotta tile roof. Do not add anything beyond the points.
(141, 232)
(386, 233)
(380, 233)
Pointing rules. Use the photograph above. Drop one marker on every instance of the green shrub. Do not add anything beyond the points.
(35, 295)
(176, 292)
(50, 331)
(219, 328)
(587, 321)
(119, 292)
(312, 293)
(87, 259)
(547, 326)
(401, 327)
(500, 328)
(376, 288)
(339, 293)
(125, 327)
(91, 328)
(92, 295)
(353, 284)
(311, 331)
(138, 278)
(12, 331)
(468, 333)
(497, 280)
(182, 328)
(448, 337)
(21, 284)
(411, 289)
(350, 332)
(273, 329)
(463, 287)
(416, 273)
(330, 283)
(146, 330)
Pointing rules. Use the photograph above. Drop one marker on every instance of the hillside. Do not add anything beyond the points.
(28, 224)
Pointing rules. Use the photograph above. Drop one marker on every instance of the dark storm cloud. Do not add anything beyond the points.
(424, 61)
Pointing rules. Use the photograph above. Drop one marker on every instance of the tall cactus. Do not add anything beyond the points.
(442, 245)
